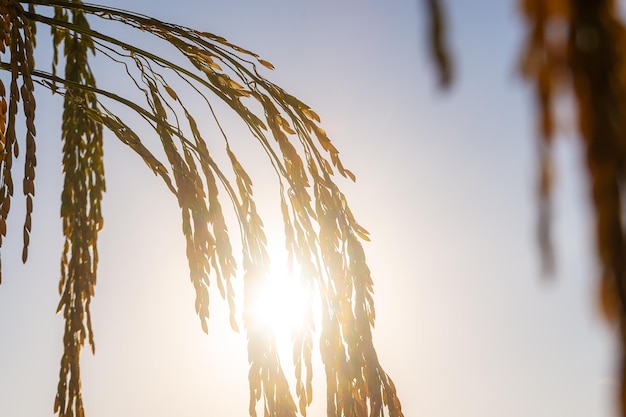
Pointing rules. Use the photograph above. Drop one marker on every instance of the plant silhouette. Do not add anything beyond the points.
(321, 232)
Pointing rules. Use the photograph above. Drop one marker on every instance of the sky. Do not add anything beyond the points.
(467, 324)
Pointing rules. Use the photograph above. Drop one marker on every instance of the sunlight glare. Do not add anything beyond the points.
(281, 305)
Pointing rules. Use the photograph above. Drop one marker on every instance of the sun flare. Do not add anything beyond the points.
(281, 304)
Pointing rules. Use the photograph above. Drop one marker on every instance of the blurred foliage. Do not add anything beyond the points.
(576, 50)
(321, 234)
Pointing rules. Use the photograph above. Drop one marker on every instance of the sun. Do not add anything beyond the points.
(281, 304)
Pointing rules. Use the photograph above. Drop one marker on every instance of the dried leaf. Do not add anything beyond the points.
(266, 64)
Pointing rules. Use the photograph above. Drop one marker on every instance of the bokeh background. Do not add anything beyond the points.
(466, 324)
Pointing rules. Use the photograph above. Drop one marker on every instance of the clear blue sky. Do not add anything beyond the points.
(466, 323)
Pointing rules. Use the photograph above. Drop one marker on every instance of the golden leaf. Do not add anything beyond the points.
(311, 114)
(266, 64)
(171, 92)
(363, 234)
